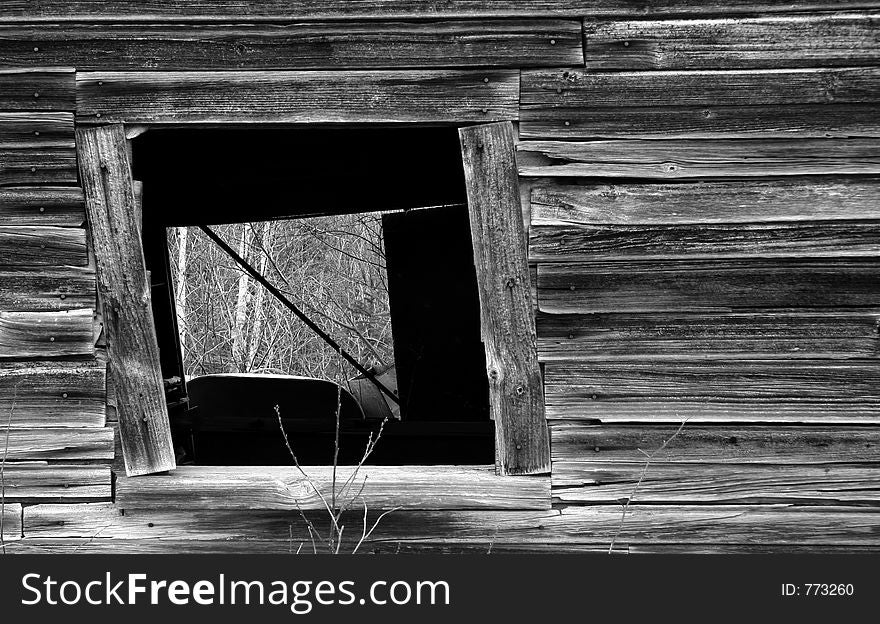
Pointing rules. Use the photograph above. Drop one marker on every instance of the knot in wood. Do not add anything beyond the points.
(520, 390)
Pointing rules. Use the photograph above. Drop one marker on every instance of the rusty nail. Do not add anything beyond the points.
(567, 123)
(571, 336)
(36, 133)
(97, 114)
(596, 448)
(51, 338)
(36, 95)
(626, 44)
(519, 447)
(485, 110)
(36, 49)
(593, 397)
(63, 395)
(571, 288)
(486, 79)
(63, 296)
(33, 169)
(553, 42)
(42, 209)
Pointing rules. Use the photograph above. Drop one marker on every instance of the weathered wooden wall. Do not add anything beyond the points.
(702, 181)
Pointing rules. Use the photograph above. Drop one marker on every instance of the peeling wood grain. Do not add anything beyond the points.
(329, 45)
(575, 441)
(37, 89)
(125, 300)
(33, 290)
(29, 482)
(666, 482)
(426, 96)
(709, 285)
(682, 159)
(27, 245)
(36, 148)
(46, 334)
(60, 444)
(675, 336)
(283, 488)
(819, 40)
(507, 323)
(42, 205)
(38, 390)
(707, 203)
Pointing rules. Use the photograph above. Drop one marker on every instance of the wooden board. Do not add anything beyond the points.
(33, 394)
(576, 441)
(283, 488)
(65, 288)
(60, 444)
(681, 158)
(37, 89)
(353, 45)
(46, 334)
(42, 205)
(34, 246)
(298, 97)
(36, 148)
(671, 336)
(37, 481)
(669, 482)
(699, 286)
(125, 300)
(12, 521)
(768, 121)
(707, 203)
(582, 242)
(568, 529)
(507, 319)
(170, 10)
(714, 391)
(819, 40)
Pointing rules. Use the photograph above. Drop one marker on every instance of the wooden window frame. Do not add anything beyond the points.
(507, 327)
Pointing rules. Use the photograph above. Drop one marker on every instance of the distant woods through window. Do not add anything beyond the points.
(332, 267)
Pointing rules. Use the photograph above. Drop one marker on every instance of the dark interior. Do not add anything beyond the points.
(193, 177)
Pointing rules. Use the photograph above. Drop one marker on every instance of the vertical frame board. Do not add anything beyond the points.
(507, 318)
(125, 298)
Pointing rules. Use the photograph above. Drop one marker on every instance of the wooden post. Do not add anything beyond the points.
(506, 313)
(125, 299)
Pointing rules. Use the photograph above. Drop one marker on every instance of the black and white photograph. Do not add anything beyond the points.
(511, 284)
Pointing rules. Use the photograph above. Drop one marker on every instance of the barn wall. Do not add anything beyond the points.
(702, 188)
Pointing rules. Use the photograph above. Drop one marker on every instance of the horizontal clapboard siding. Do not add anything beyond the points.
(699, 286)
(42, 246)
(42, 205)
(586, 442)
(760, 391)
(823, 40)
(837, 335)
(707, 203)
(765, 527)
(710, 103)
(12, 520)
(37, 89)
(35, 481)
(241, 10)
(352, 45)
(46, 334)
(673, 159)
(274, 487)
(36, 148)
(46, 394)
(65, 288)
(65, 444)
(298, 97)
(669, 482)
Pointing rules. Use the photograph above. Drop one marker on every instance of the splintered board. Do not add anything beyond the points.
(426, 96)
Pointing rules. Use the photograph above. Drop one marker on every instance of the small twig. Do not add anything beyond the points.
(639, 482)
(373, 528)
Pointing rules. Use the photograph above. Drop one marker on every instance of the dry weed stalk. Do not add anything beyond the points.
(649, 458)
(3, 469)
(340, 497)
